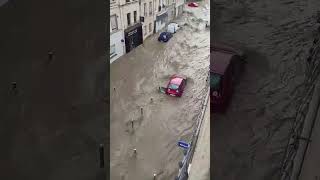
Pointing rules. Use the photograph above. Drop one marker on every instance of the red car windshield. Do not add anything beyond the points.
(173, 86)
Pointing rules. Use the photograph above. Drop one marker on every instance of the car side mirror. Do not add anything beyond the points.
(162, 89)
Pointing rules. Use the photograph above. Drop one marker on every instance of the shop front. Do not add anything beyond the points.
(133, 37)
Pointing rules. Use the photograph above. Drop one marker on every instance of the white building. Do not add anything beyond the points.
(147, 10)
(161, 16)
(179, 7)
(130, 13)
(117, 47)
(171, 9)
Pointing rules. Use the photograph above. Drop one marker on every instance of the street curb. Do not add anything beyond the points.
(306, 132)
(184, 170)
(205, 105)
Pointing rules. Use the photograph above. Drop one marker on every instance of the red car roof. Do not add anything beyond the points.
(219, 61)
(176, 80)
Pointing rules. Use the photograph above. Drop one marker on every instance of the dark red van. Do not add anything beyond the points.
(225, 63)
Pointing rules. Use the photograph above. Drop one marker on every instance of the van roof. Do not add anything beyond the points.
(219, 62)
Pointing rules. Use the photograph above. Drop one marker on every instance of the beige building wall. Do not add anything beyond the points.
(117, 45)
(129, 7)
(147, 10)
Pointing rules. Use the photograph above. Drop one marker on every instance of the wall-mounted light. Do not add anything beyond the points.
(122, 40)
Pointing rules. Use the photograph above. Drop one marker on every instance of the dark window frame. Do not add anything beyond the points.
(129, 19)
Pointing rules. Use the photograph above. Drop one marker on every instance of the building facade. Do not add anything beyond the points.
(147, 10)
(179, 6)
(171, 9)
(161, 16)
(132, 21)
(130, 13)
(117, 44)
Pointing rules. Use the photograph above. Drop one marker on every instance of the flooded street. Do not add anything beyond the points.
(159, 121)
(250, 139)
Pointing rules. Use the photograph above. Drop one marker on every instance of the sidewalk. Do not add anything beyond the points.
(311, 164)
(200, 168)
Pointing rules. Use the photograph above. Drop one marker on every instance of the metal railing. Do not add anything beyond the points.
(293, 142)
(187, 159)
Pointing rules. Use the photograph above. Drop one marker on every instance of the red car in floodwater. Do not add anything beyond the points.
(225, 65)
(193, 4)
(176, 85)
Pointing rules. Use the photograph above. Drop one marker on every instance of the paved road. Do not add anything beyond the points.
(200, 168)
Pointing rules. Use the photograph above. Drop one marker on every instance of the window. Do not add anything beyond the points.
(112, 50)
(129, 19)
(159, 9)
(145, 9)
(145, 30)
(135, 16)
(113, 21)
(150, 27)
(150, 8)
(127, 1)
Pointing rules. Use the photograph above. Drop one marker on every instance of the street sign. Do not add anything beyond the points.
(183, 144)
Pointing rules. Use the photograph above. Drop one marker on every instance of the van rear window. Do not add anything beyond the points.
(215, 80)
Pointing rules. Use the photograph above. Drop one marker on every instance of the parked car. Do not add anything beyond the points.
(193, 4)
(165, 36)
(225, 68)
(173, 28)
(175, 86)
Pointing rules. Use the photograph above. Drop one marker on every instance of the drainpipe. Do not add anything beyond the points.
(122, 28)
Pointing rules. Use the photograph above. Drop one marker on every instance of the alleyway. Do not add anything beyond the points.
(251, 137)
(135, 79)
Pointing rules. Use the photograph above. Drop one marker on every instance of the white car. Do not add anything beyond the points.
(173, 27)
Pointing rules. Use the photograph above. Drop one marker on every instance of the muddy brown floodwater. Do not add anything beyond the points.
(251, 137)
(135, 79)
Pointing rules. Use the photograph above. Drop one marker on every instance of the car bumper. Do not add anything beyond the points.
(174, 95)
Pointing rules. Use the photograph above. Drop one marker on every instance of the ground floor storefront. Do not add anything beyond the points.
(133, 37)
(116, 45)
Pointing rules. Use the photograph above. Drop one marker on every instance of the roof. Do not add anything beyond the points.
(165, 33)
(222, 47)
(219, 62)
(176, 80)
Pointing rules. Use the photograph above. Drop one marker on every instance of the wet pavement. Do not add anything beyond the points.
(134, 83)
(250, 139)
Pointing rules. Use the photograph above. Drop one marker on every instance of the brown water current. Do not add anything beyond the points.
(135, 79)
